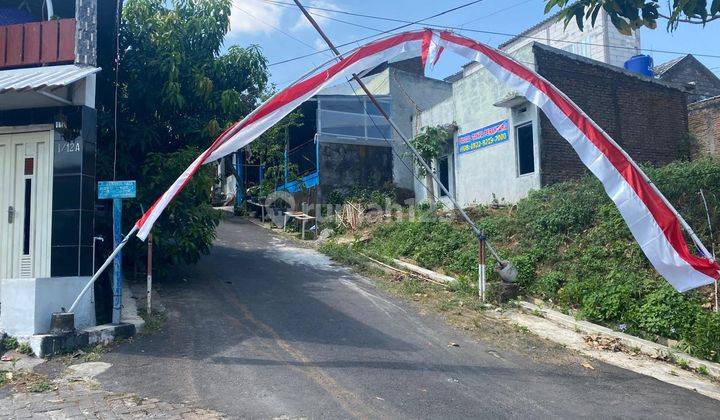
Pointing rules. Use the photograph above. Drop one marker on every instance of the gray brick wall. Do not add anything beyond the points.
(704, 124)
(648, 119)
(86, 32)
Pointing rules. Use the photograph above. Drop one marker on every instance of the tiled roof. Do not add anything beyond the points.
(661, 69)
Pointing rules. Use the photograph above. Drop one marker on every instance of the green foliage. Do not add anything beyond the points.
(431, 143)
(24, 348)
(177, 92)
(363, 195)
(572, 247)
(9, 343)
(186, 229)
(630, 15)
(703, 339)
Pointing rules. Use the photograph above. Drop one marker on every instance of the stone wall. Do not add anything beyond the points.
(343, 166)
(86, 32)
(646, 117)
(704, 124)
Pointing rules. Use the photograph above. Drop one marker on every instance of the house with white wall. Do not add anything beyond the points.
(504, 147)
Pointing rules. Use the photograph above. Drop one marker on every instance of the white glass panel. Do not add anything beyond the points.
(342, 124)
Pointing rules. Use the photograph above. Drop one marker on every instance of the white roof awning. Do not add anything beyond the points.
(43, 78)
(37, 87)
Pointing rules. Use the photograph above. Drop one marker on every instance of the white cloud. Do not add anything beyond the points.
(253, 16)
(320, 44)
(302, 22)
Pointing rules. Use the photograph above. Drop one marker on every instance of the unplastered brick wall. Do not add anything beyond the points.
(86, 32)
(704, 124)
(647, 118)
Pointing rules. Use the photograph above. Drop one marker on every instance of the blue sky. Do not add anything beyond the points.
(282, 33)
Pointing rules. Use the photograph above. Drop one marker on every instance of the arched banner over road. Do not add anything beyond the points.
(655, 224)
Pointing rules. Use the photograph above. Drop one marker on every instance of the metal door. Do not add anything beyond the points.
(25, 202)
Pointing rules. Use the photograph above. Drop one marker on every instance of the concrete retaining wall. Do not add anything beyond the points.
(27, 304)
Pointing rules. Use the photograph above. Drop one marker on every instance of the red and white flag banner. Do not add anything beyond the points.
(652, 220)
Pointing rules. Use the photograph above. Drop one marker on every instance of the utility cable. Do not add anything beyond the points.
(405, 25)
(460, 28)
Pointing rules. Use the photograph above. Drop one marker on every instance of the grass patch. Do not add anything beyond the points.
(154, 321)
(26, 381)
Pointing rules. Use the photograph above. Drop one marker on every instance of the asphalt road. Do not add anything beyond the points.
(262, 328)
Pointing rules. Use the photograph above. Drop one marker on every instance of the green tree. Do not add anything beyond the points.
(630, 15)
(430, 144)
(177, 92)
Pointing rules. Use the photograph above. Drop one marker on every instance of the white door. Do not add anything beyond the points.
(25, 204)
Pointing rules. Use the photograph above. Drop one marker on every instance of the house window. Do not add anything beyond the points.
(354, 116)
(443, 169)
(526, 153)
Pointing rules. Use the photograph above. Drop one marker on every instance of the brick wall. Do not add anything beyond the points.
(648, 119)
(704, 124)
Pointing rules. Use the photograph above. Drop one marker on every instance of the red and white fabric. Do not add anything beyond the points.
(651, 219)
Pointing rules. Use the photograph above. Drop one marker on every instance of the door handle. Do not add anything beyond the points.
(11, 214)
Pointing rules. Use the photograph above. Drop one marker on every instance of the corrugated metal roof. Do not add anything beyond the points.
(34, 78)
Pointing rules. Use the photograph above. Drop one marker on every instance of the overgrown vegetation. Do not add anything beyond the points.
(572, 248)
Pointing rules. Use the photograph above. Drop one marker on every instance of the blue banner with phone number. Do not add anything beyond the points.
(483, 137)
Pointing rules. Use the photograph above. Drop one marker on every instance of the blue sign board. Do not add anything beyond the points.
(116, 189)
(483, 137)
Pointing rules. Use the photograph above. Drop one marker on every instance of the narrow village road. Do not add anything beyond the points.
(263, 328)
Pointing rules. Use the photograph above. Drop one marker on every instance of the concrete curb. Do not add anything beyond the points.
(646, 347)
(44, 345)
(129, 312)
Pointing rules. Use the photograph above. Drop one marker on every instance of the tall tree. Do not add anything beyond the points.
(178, 91)
(630, 15)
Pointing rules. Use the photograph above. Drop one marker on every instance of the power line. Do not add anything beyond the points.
(405, 25)
(410, 23)
(274, 27)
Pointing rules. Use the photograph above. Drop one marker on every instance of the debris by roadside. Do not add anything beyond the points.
(604, 342)
(611, 351)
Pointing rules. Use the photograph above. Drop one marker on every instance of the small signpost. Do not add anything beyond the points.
(117, 191)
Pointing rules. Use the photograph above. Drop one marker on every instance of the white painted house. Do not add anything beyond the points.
(504, 147)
